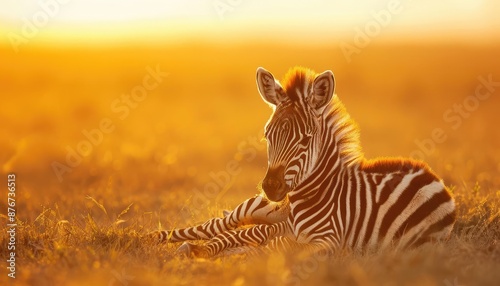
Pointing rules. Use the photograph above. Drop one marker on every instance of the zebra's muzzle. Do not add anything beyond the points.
(274, 184)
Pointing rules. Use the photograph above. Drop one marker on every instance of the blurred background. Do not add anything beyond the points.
(154, 102)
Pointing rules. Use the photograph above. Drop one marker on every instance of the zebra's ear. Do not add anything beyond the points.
(323, 88)
(270, 90)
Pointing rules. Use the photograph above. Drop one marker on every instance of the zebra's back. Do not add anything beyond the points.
(407, 202)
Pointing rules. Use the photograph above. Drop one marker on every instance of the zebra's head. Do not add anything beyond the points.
(292, 132)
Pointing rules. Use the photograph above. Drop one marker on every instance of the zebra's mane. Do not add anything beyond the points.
(297, 82)
(345, 131)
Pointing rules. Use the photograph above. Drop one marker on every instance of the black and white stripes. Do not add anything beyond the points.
(321, 192)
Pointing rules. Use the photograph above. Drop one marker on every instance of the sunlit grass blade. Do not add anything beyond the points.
(124, 211)
(98, 204)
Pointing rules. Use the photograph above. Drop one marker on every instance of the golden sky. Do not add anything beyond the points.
(104, 20)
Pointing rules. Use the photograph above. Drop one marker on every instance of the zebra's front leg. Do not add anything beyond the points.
(253, 236)
(300, 255)
(256, 210)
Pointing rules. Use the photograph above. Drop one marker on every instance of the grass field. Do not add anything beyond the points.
(163, 158)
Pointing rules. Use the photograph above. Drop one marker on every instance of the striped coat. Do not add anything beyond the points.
(319, 191)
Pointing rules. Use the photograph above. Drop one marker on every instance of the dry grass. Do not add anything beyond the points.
(154, 168)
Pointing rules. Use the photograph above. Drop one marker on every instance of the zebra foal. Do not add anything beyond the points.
(320, 192)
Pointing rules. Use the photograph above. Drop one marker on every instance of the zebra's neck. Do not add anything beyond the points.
(339, 151)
